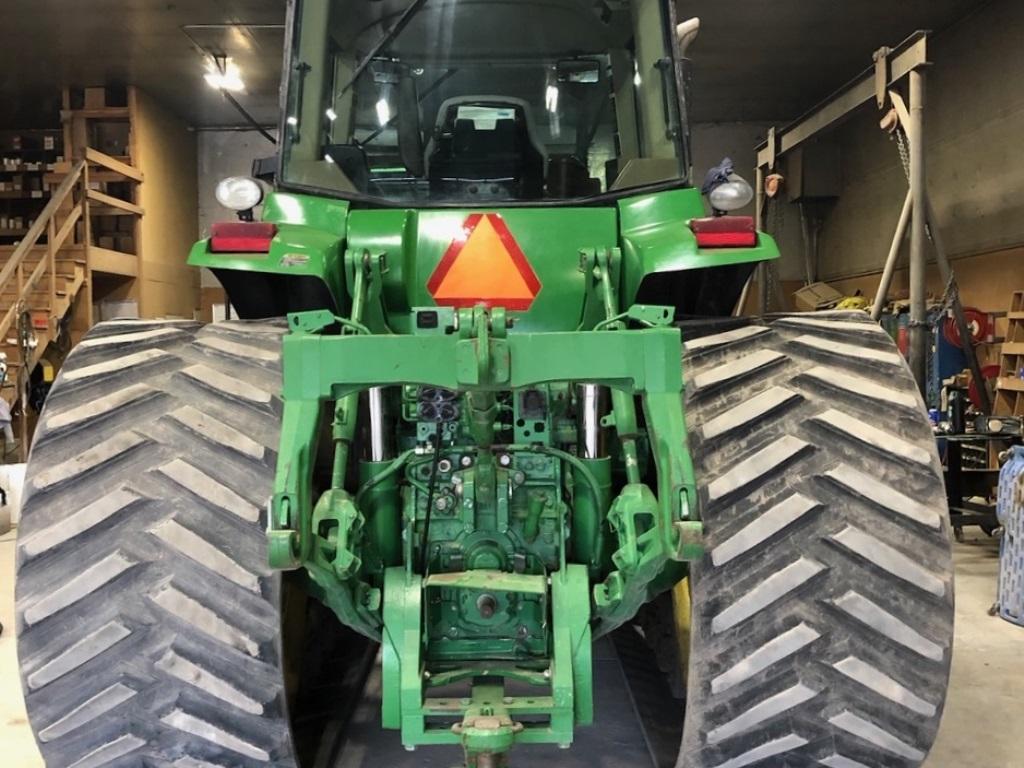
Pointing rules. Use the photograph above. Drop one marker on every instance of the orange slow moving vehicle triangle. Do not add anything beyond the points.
(484, 265)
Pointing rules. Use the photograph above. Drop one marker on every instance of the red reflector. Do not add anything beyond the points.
(725, 232)
(241, 237)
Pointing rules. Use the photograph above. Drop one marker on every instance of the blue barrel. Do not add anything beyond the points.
(1010, 509)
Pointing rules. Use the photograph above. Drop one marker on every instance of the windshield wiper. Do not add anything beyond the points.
(391, 34)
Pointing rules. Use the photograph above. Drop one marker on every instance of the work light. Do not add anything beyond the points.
(239, 193)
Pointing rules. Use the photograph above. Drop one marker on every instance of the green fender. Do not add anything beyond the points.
(310, 239)
(656, 237)
(651, 230)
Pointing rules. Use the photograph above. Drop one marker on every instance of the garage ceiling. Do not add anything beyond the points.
(776, 59)
(45, 44)
(757, 60)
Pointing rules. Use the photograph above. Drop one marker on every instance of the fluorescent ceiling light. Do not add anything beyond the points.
(224, 75)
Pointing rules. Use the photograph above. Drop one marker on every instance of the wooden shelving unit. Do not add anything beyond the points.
(26, 157)
(98, 238)
(101, 122)
(1010, 386)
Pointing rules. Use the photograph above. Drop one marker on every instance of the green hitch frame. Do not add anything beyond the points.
(487, 725)
(358, 552)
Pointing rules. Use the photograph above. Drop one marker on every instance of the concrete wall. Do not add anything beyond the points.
(974, 126)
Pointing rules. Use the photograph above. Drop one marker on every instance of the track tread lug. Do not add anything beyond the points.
(177, 614)
(823, 607)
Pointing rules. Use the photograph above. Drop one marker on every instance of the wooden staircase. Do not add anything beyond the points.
(42, 283)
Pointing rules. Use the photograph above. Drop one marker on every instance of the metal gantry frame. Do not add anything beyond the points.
(907, 61)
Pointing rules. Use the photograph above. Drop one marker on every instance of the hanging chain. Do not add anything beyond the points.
(950, 295)
(776, 218)
(903, 145)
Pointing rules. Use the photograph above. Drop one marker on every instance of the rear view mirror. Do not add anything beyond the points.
(578, 71)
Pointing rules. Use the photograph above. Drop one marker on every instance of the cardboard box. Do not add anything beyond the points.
(95, 98)
(816, 296)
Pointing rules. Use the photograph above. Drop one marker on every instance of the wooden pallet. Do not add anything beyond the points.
(1010, 385)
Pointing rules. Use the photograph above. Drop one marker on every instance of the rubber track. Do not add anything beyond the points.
(147, 616)
(824, 608)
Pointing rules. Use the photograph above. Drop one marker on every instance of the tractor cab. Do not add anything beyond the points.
(433, 102)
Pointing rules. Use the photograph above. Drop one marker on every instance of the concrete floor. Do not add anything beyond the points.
(981, 728)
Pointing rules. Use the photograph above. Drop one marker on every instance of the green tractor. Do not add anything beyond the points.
(485, 403)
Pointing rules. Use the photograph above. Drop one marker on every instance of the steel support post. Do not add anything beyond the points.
(761, 272)
(918, 234)
(894, 255)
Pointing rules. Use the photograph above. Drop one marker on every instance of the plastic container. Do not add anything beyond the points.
(1010, 510)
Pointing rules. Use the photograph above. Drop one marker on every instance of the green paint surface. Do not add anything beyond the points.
(499, 557)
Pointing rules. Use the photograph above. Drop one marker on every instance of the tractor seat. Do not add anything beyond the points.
(485, 148)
